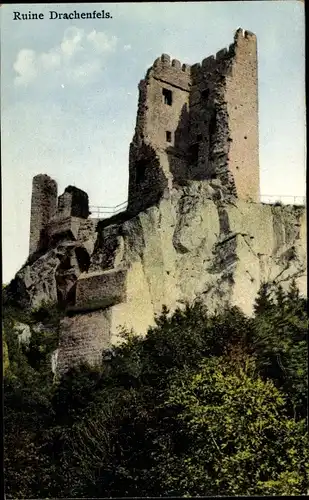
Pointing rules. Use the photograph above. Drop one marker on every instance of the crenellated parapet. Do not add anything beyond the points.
(171, 71)
(165, 61)
(222, 59)
(210, 63)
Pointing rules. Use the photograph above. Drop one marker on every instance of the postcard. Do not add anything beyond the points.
(154, 249)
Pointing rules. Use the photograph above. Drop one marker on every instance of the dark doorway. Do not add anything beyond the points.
(205, 94)
(193, 153)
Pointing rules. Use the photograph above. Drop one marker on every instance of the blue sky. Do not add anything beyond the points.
(69, 95)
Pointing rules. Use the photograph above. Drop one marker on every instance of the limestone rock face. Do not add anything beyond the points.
(54, 358)
(24, 334)
(50, 276)
(190, 246)
(193, 229)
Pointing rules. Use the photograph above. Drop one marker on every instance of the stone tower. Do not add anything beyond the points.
(198, 122)
(43, 208)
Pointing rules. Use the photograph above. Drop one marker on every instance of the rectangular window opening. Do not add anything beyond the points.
(168, 136)
(205, 94)
(167, 96)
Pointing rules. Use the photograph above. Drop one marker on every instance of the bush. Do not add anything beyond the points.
(236, 436)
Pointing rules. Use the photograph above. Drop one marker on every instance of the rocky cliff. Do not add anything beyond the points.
(119, 272)
(193, 230)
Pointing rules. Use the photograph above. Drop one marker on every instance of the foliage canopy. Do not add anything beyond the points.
(205, 404)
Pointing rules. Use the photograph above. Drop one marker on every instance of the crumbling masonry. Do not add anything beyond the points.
(193, 229)
(195, 122)
(198, 122)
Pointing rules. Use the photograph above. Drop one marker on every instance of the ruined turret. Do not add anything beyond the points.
(43, 208)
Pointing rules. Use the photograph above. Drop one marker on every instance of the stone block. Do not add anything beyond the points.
(63, 227)
(78, 202)
(99, 290)
(24, 332)
(83, 337)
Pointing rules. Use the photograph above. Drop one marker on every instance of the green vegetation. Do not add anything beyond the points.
(205, 404)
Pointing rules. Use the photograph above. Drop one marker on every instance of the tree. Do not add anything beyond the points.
(279, 340)
(235, 435)
(198, 406)
(264, 301)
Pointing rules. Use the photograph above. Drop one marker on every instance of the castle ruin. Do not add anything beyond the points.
(194, 228)
(198, 122)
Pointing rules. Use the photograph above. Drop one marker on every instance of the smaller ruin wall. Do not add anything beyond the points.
(43, 208)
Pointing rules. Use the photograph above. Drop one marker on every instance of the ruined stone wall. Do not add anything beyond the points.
(147, 179)
(43, 208)
(168, 88)
(223, 118)
(83, 338)
(241, 97)
(209, 120)
(79, 202)
(162, 126)
(73, 203)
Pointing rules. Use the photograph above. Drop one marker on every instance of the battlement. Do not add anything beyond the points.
(166, 67)
(210, 63)
(242, 33)
(170, 71)
(165, 61)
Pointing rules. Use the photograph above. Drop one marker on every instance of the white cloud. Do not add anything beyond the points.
(78, 57)
(26, 66)
(71, 42)
(127, 47)
(101, 42)
(50, 60)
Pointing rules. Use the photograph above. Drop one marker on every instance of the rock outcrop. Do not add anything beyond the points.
(193, 229)
(109, 275)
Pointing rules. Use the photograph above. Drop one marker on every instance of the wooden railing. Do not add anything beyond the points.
(284, 199)
(101, 212)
